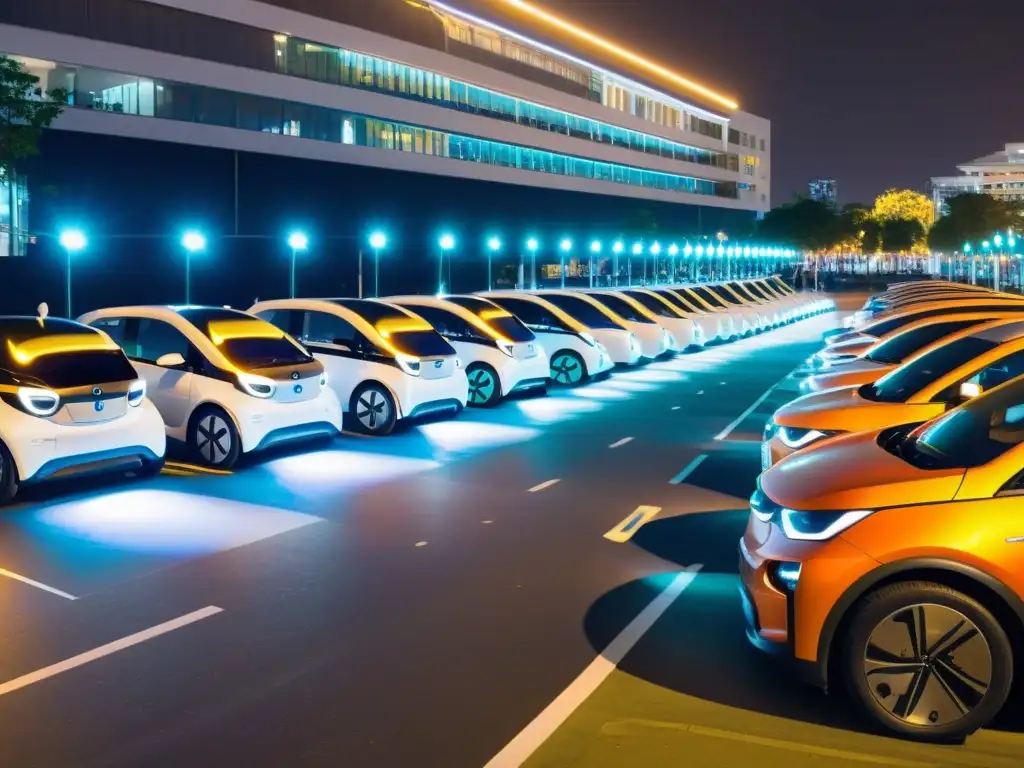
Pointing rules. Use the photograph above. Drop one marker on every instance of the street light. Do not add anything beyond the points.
(532, 245)
(617, 248)
(493, 246)
(73, 241)
(673, 251)
(638, 249)
(563, 248)
(728, 254)
(297, 241)
(595, 250)
(192, 242)
(378, 241)
(445, 243)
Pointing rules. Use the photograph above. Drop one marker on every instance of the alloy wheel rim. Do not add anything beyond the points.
(372, 409)
(928, 665)
(213, 439)
(481, 386)
(565, 369)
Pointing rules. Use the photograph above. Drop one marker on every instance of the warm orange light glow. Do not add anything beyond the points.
(622, 53)
(490, 314)
(225, 330)
(28, 350)
(391, 325)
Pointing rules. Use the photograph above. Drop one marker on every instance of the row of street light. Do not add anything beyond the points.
(997, 246)
(194, 242)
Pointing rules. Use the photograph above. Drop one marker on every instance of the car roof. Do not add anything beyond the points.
(17, 328)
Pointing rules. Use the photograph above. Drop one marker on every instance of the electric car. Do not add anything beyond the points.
(792, 307)
(651, 337)
(574, 355)
(817, 305)
(224, 381)
(886, 564)
(620, 344)
(745, 322)
(706, 328)
(773, 313)
(502, 356)
(723, 323)
(677, 333)
(384, 363)
(762, 318)
(883, 302)
(72, 405)
(972, 361)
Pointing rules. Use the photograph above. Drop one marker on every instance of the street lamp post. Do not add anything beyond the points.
(997, 264)
(655, 252)
(616, 250)
(445, 243)
(73, 241)
(728, 261)
(531, 246)
(687, 253)
(699, 252)
(638, 249)
(493, 246)
(297, 241)
(595, 250)
(720, 251)
(985, 247)
(192, 242)
(563, 248)
(378, 241)
(673, 251)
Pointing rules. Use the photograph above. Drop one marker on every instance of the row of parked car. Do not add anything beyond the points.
(884, 553)
(106, 392)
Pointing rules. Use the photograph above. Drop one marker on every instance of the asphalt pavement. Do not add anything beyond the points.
(433, 598)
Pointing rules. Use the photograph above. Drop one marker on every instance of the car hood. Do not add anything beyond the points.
(854, 472)
(854, 373)
(848, 336)
(842, 409)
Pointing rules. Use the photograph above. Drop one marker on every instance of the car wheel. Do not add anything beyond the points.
(927, 662)
(568, 369)
(8, 476)
(374, 409)
(150, 468)
(213, 439)
(484, 386)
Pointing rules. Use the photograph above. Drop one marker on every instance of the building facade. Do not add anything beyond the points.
(823, 190)
(1000, 174)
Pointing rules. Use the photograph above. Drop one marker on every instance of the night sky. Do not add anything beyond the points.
(876, 94)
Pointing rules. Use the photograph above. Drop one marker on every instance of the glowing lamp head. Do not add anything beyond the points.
(746, 251)
(619, 247)
(656, 249)
(447, 242)
(566, 244)
(673, 250)
(595, 247)
(193, 241)
(998, 240)
(378, 240)
(721, 250)
(493, 244)
(298, 241)
(532, 244)
(967, 247)
(688, 250)
(638, 248)
(72, 240)
(986, 245)
(700, 250)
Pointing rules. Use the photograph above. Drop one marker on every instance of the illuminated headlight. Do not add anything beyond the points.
(136, 392)
(257, 386)
(784, 576)
(323, 380)
(38, 401)
(818, 526)
(411, 365)
(506, 347)
(588, 339)
(770, 428)
(794, 437)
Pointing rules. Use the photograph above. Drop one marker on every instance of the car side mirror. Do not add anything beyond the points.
(171, 360)
(969, 391)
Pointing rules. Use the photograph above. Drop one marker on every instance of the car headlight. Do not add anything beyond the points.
(257, 386)
(408, 363)
(136, 392)
(506, 347)
(819, 526)
(795, 437)
(588, 339)
(39, 401)
(323, 380)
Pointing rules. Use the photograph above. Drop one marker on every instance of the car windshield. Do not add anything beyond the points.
(59, 354)
(582, 310)
(427, 343)
(881, 328)
(498, 318)
(246, 341)
(708, 296)
(371, 311)
(723, 294)
(74, 369)
(653, 303)
(756, 290)
(621, 307)
(900, 384)
(976, 433)
(688, 303)
(900, 347)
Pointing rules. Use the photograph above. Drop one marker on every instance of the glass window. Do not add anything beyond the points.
(723, 294)
(285, 319)
(581, 310)
(157, 338)
(885, 327)
(79, 369)
(900, 347)
(654, 304)
(901, 384)
(708, 296)
(997, 373)
(621, 307)
(536, 316)
(114, 327)
(325, 328)
(681, 299)
(450, 325)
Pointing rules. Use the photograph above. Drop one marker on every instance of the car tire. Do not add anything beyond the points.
(213, 439)
(373, 409)
(916, 690)
(149, 468)
(8, 476)
(484, 385)
(568, 369)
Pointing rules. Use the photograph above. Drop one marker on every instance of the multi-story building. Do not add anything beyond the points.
(1000, 174)
(496, 91)
(823, 190)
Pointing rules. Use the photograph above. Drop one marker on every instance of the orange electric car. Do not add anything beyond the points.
(890, 564)
(975, 360)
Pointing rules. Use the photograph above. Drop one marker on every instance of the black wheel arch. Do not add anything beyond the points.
(999, 599)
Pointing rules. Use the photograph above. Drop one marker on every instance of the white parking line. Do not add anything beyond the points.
(36, 584)
(728, 430)
(622, 442)
(542, 486)
(519, 750)
(688, 470)
(105, 650)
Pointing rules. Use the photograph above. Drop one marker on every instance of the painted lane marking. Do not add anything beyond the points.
(701, 392)
(527, 741)
(728, 430)
(541, 486)
(688, 470)
(676, 407)
(622, 442)
(625, 530)
(196, 468)
(105, 650)
(36, 584)
(420, 544)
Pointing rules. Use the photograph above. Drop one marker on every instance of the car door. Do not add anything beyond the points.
(460, 334)
(170, 388)
(336, 343)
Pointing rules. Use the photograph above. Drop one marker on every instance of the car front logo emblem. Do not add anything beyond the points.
(98, 405)
(295, 375)
(96, 391)
(298, 389)
(439, 363)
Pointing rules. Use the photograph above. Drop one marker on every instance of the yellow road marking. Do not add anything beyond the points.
(195, 468)
(624, 531)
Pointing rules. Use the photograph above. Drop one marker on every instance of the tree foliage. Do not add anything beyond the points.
(904, 204)
(900, 235)
(973, 218)
(25, 111)
(804, 223)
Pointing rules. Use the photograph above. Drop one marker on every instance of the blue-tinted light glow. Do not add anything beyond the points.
(72, 240)
(618, 247)
(566, 244)
(595, 246)
(298, 241)
(378, 240)
(656, 248)
(494, 244)
(532, 244)
(447, 242)
(193, 241)
(638, 248)
(673, 250)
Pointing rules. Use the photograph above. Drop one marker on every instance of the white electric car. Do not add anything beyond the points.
(502, 355)
(671, 315)
(72, 405)
(792, 308)
(718, 326)
(384, 363)
(776, 313)
(739, 323)
(574, 355)
(760, 317)
(752, 321)
(225, 382)
(652, 339)
(677, 333)
(613, 344)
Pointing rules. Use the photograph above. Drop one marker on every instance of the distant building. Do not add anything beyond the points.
(823, 190)
(1000, 175)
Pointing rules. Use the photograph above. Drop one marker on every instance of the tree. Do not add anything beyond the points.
(804, 223)
(973, 218)
(904, 204)
(900, 235)
(25, 111)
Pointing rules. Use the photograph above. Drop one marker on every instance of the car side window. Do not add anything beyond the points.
(1000, 372)
(285, 319)
(533, 315)
(114, 327)
(326, 328)
(156, 338)
(448, 323)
